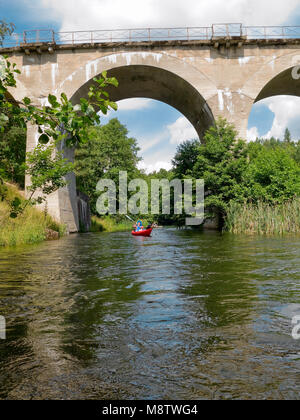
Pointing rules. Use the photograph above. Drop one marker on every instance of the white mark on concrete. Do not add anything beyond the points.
(209, 60)
(88, 71)
(44, 101)
(221, 100)
(128, 57)
(111, 58)
(239, 91)
(26, 70)
(70, 78)
(244, 60)
(296, 60)
(229, 102)
(54, 71)
(272, 63)
(95, 65)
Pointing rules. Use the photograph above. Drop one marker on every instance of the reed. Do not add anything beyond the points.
(263, 218)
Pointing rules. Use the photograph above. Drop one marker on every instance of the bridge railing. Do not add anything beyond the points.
(227, 30)
(272, 32)
(133, 35)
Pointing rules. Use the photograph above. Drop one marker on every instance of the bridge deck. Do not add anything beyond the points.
(225, 33)
(238, 42)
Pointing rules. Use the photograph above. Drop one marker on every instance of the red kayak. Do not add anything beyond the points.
(145, 232)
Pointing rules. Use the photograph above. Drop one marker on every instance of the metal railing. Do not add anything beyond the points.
(227, 30)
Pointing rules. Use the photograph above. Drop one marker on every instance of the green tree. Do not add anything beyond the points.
(221, 162)
(12, 154)
(287, 136)
(107, 151)
(5, 29)
(185, 157)
(272, 175)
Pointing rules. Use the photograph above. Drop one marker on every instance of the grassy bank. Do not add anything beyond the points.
(110, 224)
(264, 219)
(31, 227)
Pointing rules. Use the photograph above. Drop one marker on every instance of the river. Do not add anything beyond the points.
(181, 315)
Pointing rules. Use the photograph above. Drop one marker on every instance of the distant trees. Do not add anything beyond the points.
(12, 154)
(107, 151)
(5, 29)
(287, 136)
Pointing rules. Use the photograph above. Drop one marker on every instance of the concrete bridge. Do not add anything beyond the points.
(215, 74)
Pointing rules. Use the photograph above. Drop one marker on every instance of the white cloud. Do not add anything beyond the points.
(146, 143)
(252, 134)
(134, 104)
(110, 14)
(287, 114)
(149, 168)
(181, 130)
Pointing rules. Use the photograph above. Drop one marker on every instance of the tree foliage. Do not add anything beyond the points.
(236, 172)
(185, 157)
(5, 29)
(107, 151)
(221, 162)
(13, 154)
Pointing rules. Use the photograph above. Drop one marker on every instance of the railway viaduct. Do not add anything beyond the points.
(215, 74)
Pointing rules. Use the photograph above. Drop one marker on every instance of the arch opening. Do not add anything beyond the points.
(276, 108)
(141, 81)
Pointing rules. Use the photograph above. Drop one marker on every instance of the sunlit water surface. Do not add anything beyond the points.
(181, 315)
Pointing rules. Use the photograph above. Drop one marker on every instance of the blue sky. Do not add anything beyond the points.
(158, 127)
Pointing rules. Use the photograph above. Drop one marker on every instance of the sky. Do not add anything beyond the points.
(158, 127)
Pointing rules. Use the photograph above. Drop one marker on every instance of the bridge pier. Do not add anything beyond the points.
(234, 106)
(62, 204)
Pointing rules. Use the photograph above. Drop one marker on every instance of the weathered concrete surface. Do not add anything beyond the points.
(202, 80)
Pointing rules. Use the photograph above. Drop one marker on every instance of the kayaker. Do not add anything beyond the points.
(139, 226)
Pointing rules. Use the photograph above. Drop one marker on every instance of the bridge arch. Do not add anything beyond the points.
(282, 84)
(274, 78)
(149, 75)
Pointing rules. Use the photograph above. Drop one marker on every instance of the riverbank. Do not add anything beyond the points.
(264, 219)
(110, 224)
(33, 226)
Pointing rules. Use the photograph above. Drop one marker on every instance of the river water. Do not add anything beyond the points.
(181, 315)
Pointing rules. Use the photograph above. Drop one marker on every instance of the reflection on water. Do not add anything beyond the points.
(181, 315)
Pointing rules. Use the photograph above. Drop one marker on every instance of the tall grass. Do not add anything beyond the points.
(28, 228)
(263, 218)
(110, 224)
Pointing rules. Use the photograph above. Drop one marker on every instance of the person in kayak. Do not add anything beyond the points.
(139, 226)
